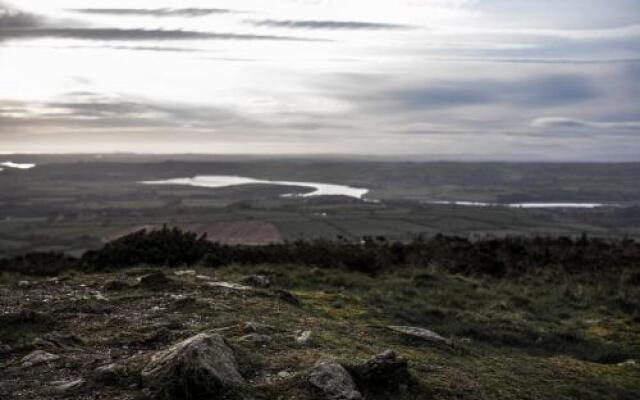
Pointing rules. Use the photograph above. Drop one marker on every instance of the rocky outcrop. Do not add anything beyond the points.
(200, 367)
(384, 373)
(331, 381)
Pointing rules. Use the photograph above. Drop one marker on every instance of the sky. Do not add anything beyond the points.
(434, 79)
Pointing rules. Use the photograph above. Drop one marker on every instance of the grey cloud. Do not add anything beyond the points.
(551, 90)
(334, 25)
(108, 34)
(573, 123)
(155, 12)
(93, 111)
(11, 18)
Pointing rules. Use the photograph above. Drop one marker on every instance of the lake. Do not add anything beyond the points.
(10, 164)
(221, 181)
(525, 205)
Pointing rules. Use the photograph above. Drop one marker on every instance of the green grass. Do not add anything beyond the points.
(534, 337)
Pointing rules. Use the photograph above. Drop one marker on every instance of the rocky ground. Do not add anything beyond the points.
(287, 332)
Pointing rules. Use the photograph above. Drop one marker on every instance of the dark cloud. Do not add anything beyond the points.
(155, 12)
(134, 34)
(336, 25)
(12, 18)
(552, 90)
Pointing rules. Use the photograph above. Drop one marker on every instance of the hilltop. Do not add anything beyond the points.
(550, 333)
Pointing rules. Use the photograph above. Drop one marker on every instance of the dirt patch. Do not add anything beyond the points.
(239, 232)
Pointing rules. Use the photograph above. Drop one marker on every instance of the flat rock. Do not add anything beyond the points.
(420, 333)
(188, 272)
(68, 386)
(229, 285)
(202, 366)
(332, 381)
(37, 357)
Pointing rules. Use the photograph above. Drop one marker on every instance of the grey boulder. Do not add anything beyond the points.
(200, 367)
(332, 381)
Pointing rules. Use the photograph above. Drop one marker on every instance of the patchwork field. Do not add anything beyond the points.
(74, 203)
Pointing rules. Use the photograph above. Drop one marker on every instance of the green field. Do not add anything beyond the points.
(72, 203)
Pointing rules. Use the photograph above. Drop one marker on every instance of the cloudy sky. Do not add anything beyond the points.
(471, 79)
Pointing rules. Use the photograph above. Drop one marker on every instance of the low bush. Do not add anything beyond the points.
(510, 256)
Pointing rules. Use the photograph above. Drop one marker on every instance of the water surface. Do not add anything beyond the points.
(220, 181)
(10, 164)
(525, 205)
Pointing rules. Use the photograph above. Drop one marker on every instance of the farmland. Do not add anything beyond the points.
(75, 203)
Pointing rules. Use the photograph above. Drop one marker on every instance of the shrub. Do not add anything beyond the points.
(40, 264)
(165, 247)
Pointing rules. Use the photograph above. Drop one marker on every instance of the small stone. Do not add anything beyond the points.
(189, 272)
(24, 284)
(260, 281)
(284, 374)
(333, 382)
(68, 386)
(629, 364)
(203, 278)
(229, 285)
(250, 327)
(256, 338)
(38, 357)
(100, 296)
(303, 337)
